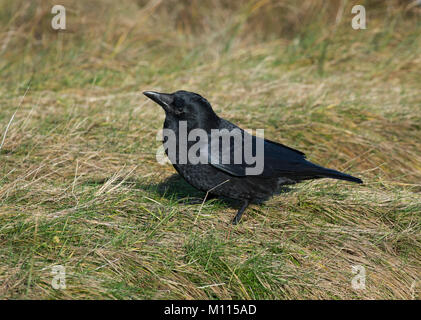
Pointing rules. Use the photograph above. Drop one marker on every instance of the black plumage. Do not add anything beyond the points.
(282, 165)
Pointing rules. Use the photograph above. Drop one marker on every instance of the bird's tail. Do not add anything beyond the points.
(330, 173)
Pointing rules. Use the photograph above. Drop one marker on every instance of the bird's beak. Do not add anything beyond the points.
(163, 99)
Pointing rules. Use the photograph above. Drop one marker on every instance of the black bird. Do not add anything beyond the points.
(282, 165)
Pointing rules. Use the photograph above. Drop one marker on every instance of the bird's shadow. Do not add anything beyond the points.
(176, 188)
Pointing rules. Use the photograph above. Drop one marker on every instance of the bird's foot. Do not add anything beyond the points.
(240, 212)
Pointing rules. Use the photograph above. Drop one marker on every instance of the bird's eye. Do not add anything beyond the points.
(178, 106)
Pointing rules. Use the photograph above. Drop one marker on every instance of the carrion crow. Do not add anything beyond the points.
(280, 164)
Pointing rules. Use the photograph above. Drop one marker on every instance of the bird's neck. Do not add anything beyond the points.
(205, 124)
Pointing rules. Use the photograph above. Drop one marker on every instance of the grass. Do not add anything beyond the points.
(80, 185)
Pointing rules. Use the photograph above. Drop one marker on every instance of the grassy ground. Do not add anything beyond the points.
(80, 186)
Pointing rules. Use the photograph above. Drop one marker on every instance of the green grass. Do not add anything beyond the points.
(80, 185)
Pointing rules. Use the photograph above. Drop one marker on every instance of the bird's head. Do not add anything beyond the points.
(185, 106)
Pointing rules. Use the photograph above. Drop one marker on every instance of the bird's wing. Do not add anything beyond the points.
(281, 148)
(259, 156)
(275, 160)
(223, 155)
(283, 160)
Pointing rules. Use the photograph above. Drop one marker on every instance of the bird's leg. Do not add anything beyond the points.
(237, 217)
